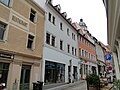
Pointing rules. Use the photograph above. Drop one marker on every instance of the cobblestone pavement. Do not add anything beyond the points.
(80, 85)
(107, 87)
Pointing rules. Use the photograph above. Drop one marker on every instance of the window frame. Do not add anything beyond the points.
(68, 32)
(53, 18)
(2, 71)
(68, 48)
(48, 38)
(3, 26)
(29, 41)
(61, 45)
(8, 2)
(72, 50)
(49, 16)
(61, 26)
(53, 40)
(32, 13)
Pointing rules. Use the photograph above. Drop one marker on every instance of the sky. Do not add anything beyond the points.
(91, 11)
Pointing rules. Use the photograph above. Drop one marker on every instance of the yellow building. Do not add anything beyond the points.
(21, 40)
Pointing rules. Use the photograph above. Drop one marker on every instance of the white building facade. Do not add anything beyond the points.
(60, 54)
(100, 59)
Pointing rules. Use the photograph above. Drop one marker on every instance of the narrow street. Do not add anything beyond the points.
(80, 85)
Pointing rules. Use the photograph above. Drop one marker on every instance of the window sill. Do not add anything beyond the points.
(31, 49)
(2, 41)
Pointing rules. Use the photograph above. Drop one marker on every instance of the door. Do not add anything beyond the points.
(25, 77)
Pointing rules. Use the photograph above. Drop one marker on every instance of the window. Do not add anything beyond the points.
(72, 50)
(4, 67)
(53, 41)
(68, 48)
(61, 45)
(32, 15)
(80, 38)
(53, 20)
(5, 2)
(68, 32)
(75, 51)
(47, 38)
(49, 17)
(72, 35)
(2, 30)
(30, 41)
(61, 26)
(79, 51)
(82, 52)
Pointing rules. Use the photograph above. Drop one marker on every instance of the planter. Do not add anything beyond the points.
(92, 88)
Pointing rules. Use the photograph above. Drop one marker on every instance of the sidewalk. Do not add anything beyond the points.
(63, 86)
(108, 87)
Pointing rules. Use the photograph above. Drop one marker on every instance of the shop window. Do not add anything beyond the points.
(30, 41)
(4, 67)
(47, 38)
(32, 15)
(2, 30)
(54, 72)
(5, 2)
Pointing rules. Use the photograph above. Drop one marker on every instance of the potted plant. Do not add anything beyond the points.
(116, 83)
(93, 82)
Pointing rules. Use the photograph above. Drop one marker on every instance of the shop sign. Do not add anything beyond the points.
(9, 56)
(19, 21)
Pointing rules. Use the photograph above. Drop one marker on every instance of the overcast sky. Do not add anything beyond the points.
(91, 11)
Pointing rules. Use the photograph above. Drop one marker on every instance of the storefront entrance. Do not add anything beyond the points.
(25, 77)
(54, 72)
(4, 68)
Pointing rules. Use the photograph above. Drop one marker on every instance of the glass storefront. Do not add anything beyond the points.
(4, 67)
(75, 74)
(54, 72)
(25, 77)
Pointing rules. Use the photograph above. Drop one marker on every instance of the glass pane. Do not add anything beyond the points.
(6, 2)
(6, 66)
(1, 33)
(27, 76)
(21, 80)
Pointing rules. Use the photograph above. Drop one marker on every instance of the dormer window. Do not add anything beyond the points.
(64, 14)
(58, 7)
